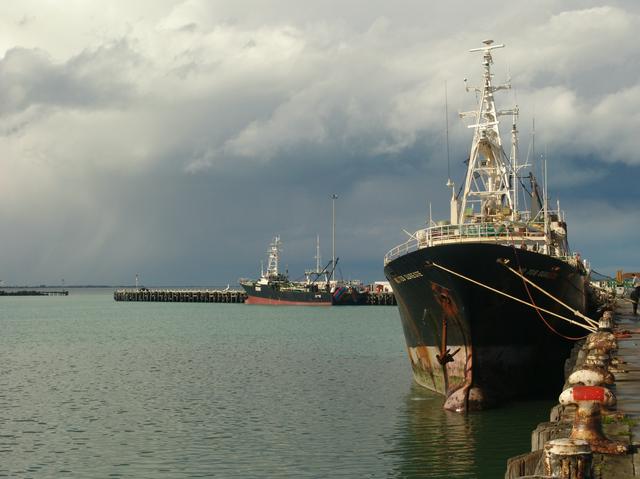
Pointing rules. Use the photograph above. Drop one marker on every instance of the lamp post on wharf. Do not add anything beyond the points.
(333, 197)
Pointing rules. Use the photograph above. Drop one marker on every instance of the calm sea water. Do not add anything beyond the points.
(92, 388)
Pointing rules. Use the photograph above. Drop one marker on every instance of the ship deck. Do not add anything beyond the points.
(522, 235)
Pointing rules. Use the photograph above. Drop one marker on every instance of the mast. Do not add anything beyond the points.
(487, 182)
(453, 204)
(446, 117)
(274, 257)
(317, 253)
(514, 163)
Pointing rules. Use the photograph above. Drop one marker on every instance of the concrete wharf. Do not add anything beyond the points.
(608, 429)
(382, 298)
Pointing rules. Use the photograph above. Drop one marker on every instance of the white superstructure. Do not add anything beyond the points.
(487, 209)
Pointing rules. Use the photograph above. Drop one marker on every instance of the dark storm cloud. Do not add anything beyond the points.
(174, 139)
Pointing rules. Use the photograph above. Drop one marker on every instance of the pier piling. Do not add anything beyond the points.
(180, 295)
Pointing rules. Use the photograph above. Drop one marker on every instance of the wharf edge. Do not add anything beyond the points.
(620, 423)
(382, 298)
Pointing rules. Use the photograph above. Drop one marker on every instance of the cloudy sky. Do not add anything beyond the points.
(174, 138)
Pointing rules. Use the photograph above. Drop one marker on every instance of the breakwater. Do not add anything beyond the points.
(378, 298)
(31, 292)
(180, 295)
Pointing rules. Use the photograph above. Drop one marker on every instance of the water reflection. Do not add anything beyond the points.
(433, 443)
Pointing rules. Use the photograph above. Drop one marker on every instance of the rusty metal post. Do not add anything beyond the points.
(590, 377)
(606, 322)
(568, 459)
(597, 358)
(601, 340)
(599, 346)
(587, 424)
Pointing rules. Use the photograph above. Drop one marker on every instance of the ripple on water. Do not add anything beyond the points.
(92, 388)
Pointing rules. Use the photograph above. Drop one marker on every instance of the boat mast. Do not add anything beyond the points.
(546, 206)
(487, 182)
(317, 253)
(514, 163)
(274, 257)
(453, 204)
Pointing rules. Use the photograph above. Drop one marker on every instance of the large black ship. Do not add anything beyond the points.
(492, 299)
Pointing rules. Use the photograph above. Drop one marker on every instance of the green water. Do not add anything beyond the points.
(93, 388)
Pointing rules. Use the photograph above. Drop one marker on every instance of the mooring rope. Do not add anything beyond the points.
(574, 311)
(546, 323)
(502, 293)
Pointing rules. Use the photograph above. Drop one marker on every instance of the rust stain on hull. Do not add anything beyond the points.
(445, 365)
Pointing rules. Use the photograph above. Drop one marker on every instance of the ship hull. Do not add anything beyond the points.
(274, 296)
(475, 346)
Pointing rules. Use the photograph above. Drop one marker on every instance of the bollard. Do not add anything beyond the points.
(601, 340)
(568, 459)
(591, 377)
(597, 358)
(606, 322)
(587, 424)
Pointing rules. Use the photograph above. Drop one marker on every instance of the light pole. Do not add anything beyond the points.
(333, 197)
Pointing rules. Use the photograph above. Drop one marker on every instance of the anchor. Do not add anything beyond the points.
(447, 356)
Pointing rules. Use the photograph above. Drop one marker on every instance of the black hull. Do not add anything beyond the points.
(476, 346)
(272, 294)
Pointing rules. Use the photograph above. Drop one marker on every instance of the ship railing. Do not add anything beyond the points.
(527, 235)
(576, 261)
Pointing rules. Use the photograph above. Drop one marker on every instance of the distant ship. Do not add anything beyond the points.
(491, 300)
(318, 288)
(276, 288)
